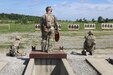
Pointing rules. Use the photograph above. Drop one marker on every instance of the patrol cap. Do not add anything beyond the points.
(48, 7)
(90, 33)
(17, 37)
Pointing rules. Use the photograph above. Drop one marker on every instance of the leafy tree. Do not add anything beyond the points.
(84, 20)
(100, 19)
(93, 20)
(18, 18)
(106, 20)
(80, 20)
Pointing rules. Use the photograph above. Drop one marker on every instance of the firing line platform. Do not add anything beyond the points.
(50, 55)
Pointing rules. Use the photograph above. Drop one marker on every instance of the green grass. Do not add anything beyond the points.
(31, 27)
(4, 28)
(18, 28)
(64, 26)
(98, 26)
(22, 28)
(4, 46)
(83, 33)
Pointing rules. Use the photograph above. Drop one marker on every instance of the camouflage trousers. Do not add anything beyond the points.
(89, 49)
(47, 40)
(13, 51)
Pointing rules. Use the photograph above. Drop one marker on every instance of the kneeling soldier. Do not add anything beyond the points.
(89, 44)
(14, 48)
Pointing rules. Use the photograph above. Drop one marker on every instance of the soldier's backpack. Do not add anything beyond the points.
(89, 41)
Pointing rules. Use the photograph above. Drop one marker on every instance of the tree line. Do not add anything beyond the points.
(100, 19)
(18, 18)
(27, 19)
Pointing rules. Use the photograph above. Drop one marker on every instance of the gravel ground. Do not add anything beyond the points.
(69, 42)
(80, 66)
(77, 61)
(16, 66)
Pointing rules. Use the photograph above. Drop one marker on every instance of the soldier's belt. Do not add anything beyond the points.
(48, 27)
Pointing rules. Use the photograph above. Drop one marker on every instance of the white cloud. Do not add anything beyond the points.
(73, 10)
(80, 10)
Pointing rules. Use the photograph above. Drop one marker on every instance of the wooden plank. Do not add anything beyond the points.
(101, 65)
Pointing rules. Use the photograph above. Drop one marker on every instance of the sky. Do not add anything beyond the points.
(62, 9)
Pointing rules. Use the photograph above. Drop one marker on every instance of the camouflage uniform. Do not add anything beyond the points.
(14, 47)
(90, 49)
(48, 28)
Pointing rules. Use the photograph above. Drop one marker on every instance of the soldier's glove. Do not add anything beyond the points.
(94, 48)
(56, 30)
(46, 30)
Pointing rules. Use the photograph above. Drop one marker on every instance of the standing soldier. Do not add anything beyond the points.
(89, 44)
(48, 28)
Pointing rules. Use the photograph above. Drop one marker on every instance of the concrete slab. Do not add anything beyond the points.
(67, 67)
(2, 64)
(30, 68)
(101, 65)
(52, 55)
(48, 67)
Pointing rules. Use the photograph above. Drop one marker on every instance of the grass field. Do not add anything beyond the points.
(22, 28)
(31, 27)
(18, 28)
(64, 26)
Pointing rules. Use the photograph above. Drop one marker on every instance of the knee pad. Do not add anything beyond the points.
(44, 42)
(51, 40)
